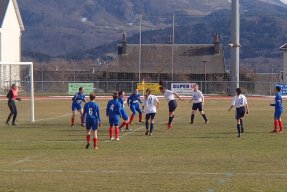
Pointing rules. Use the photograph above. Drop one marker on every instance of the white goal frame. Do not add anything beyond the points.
(31, 84)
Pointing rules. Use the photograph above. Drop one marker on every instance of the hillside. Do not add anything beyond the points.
(90, 28)
(261, 34)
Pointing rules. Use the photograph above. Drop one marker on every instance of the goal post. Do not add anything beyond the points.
(20, 73)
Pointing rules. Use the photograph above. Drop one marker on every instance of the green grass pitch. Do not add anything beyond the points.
(49, 155)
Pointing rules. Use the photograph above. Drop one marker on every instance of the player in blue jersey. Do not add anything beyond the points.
(93, 120)
(113, 111)
(278, 111)
(124, 114)
(133, 102)
(77, 106)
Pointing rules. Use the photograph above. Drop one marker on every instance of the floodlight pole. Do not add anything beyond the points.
(140, 48)
(172, 47)
(235, 46)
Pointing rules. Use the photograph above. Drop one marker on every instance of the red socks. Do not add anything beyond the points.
(111, 132)
(132, 118)
(88, 138)
(117, 131)
(140, 117)
(123, 124)
(280, 125)
(95, 142)
(275, 124)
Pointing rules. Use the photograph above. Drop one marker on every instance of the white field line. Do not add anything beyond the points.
(254, 174)
(50, 118)
(134, 130)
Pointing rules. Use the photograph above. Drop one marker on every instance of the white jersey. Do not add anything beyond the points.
(169, 95)
(150, 104)
(197, 96)
(239, 101)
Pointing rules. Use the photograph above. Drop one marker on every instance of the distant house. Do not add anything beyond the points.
(11, 28)
(185, 58)
(284, 49)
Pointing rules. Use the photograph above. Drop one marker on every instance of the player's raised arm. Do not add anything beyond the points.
(177, 96)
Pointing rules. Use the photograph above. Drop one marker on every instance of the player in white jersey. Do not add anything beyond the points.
(150, 105)
(198, 103)
(240, 103)
(169, 96)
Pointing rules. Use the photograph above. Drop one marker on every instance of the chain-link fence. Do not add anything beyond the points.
(60, 88)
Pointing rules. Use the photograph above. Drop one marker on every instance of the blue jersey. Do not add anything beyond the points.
(134, 99)
(278, 102)
(92, 111)
(78, 98)
(121, 100)
(113, 108)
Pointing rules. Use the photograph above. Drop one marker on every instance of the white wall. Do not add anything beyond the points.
(10, 36)
(285, 66)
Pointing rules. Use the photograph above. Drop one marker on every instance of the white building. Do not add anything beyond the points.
(11, 27)
(284, 49)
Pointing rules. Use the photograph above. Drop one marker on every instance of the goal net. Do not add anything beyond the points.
(21, 74)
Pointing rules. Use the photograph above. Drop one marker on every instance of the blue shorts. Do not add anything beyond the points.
(198, 106)
(92, 124)
(124, 115)
(277, 114)
(172, 105)
(76, 107)
(135, 107)
(114, 120)
(240, 112)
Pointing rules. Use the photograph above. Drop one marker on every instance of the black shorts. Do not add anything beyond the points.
(172, 105)
(198, 106)
(240, 112)
(150, 116)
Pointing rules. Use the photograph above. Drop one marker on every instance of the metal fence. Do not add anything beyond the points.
(60, 88)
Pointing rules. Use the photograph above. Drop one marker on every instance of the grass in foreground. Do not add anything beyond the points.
(51, 156)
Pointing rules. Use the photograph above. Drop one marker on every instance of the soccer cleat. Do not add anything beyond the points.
(238, 135)
(281, 131)
(7, 123)
(82, 125)
(112, 138)
(88, 145)
(96, 148)
(169, 126)
(146, 133)
(274, 131)
(14, 124)
(121, 129)
(128, 129)
(191, 123)
(117, 139)
(206, 122)
(150, 134)
(141, 121)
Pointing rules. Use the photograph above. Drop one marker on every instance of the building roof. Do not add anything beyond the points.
(186, 58)
(3, 9)
(284, 47)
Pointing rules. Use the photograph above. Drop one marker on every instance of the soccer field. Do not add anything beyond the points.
(49, 155)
